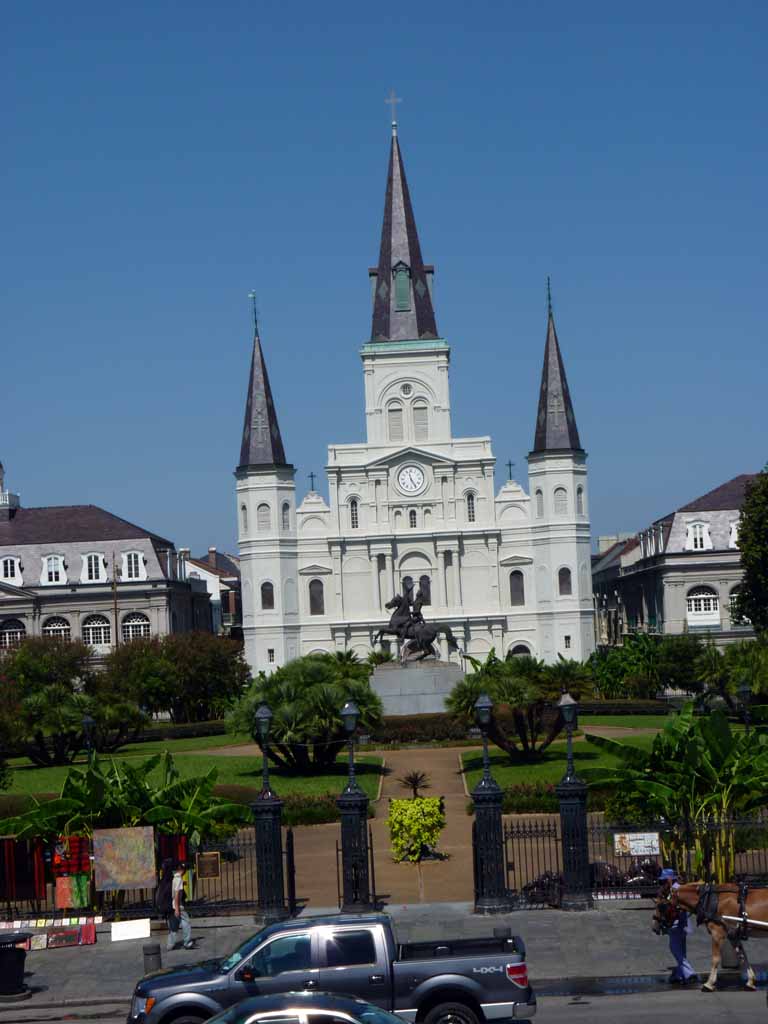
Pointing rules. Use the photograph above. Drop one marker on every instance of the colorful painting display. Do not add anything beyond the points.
(124, 858)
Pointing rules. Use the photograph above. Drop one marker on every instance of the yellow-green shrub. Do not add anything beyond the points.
(415, 826)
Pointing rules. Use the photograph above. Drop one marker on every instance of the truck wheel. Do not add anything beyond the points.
(451, 1013)
(188, 1019)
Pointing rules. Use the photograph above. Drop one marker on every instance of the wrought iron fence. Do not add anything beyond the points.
(625, 859)
(230, 888)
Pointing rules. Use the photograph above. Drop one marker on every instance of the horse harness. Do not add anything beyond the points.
(707, 910)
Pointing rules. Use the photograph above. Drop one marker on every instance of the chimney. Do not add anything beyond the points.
(212, 557)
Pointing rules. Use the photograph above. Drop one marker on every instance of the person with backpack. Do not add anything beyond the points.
(169, 900)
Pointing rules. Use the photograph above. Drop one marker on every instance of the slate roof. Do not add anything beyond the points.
(400, 244)
(262, 444)
(727, 496)
(65, 524)
(225, 566)
(556, 428)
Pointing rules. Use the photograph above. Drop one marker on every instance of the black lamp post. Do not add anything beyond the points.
(267, 813)
(88, 724)
(572, 794)
(491, 894)
(745, 695)
(353, 806)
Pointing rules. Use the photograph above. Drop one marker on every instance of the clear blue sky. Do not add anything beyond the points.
(162, 159)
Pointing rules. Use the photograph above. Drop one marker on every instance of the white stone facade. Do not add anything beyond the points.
(441, 519)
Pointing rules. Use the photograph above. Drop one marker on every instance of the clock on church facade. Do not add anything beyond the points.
(411, 505)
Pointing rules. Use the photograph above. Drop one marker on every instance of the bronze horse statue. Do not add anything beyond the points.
(416, 636)
(728, 911)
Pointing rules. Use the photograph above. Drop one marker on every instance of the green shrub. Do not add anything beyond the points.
(541, 798)
(415, 826)
(298, 808)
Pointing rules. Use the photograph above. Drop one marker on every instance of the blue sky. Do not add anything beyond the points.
(163, 159)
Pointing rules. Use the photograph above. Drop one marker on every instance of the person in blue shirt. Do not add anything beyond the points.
(683, 974)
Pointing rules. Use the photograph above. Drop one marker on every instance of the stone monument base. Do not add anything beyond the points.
(418, 688)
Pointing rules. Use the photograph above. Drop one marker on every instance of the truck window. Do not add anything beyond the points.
(286, 953)
(348, 949)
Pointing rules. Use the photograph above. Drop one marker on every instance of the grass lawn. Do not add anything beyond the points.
(625, 721)
(239, 771)
(549, 769)
(158, 746)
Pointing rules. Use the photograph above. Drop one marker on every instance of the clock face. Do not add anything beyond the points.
(410, 479)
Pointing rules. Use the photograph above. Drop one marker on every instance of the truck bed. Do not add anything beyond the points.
(443, 948)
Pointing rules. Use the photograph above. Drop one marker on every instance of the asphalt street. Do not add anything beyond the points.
(655, 1008)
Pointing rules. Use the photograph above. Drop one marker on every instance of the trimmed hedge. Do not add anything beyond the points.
(12, 804)
(298, 808)
(541, 798)
(625, 707)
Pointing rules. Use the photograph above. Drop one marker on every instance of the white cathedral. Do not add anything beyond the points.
(413, 507)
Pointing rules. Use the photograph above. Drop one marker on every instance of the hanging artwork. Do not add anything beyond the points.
(124, 858)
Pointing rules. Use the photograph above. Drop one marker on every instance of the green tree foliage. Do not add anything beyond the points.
(698, 773)
(56, 687)
(645, 664)
(192, 676)
(752, 599)
(415, 827)
(9, 718)
(114, 794)
(306, 697)
(746, 663)
(522, 690)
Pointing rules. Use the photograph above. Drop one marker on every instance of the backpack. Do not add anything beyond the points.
(163, 897)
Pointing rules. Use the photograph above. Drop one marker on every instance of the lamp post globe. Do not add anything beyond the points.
(263, 721)
(350, 716)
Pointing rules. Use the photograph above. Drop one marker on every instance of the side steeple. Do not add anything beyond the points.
(262, 445)
(402, 295)
(556, 428)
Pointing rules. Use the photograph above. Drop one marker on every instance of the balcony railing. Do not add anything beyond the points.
(9, 500)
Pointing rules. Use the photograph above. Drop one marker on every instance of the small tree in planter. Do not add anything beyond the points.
(414, 830)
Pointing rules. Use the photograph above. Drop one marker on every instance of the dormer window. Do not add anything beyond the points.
(402, 275)
(54, 570)
(698, 538)
(93, 570)
(10, 570)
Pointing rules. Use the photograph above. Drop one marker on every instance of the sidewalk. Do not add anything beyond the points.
(610, 941)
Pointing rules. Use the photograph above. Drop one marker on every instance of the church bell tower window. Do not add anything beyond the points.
(402, 276)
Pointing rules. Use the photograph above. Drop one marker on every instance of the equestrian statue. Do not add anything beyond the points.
(415, 636)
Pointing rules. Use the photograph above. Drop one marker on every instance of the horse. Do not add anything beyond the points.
(727, 910)
(421, 642)
(400, 618)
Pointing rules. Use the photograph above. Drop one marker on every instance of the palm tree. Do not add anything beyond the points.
(415, 780)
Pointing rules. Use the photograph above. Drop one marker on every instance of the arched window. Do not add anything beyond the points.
(579, 501)
(539, 504)
(425, 586)
(702, 607)
(564, 585)
(135, 627)
(395, 422)
(263, 517)
(57, 628)
(286, 516)
(519, 651)
(412, 519)
(420, 422)
(470, 507)
(267, 597)
(97, 631)
(94, 568)
(316, 598)
(561, 501)
(244, 518)
(12, 632)
(132, 565)
(354, 515)
(516, 588)
(698, 537)
(402, 276)
(408, 587)
(54, 569)
(11, 570)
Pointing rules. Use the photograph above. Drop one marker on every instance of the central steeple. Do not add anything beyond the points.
(402, 297)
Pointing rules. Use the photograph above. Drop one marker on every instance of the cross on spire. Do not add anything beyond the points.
(392, 100)
(311, 478)
(510, 464)
(549, 297)
(252, 297)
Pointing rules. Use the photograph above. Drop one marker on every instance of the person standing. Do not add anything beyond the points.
(178, 911)
(680, 928)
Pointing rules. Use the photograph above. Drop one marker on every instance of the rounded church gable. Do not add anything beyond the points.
(513, 514)
(313, 526)
(413, 561)
(405, 388)
(355, 564)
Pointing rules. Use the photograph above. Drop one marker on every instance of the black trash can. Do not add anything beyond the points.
(12, 963)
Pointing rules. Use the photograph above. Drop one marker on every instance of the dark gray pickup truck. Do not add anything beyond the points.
(444, 981)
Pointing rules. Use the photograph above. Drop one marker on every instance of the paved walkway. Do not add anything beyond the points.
(609, 943)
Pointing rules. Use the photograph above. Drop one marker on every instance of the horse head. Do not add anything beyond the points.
(665, 910)
(396, 602)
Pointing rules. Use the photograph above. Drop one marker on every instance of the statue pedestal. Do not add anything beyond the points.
(419, 688)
